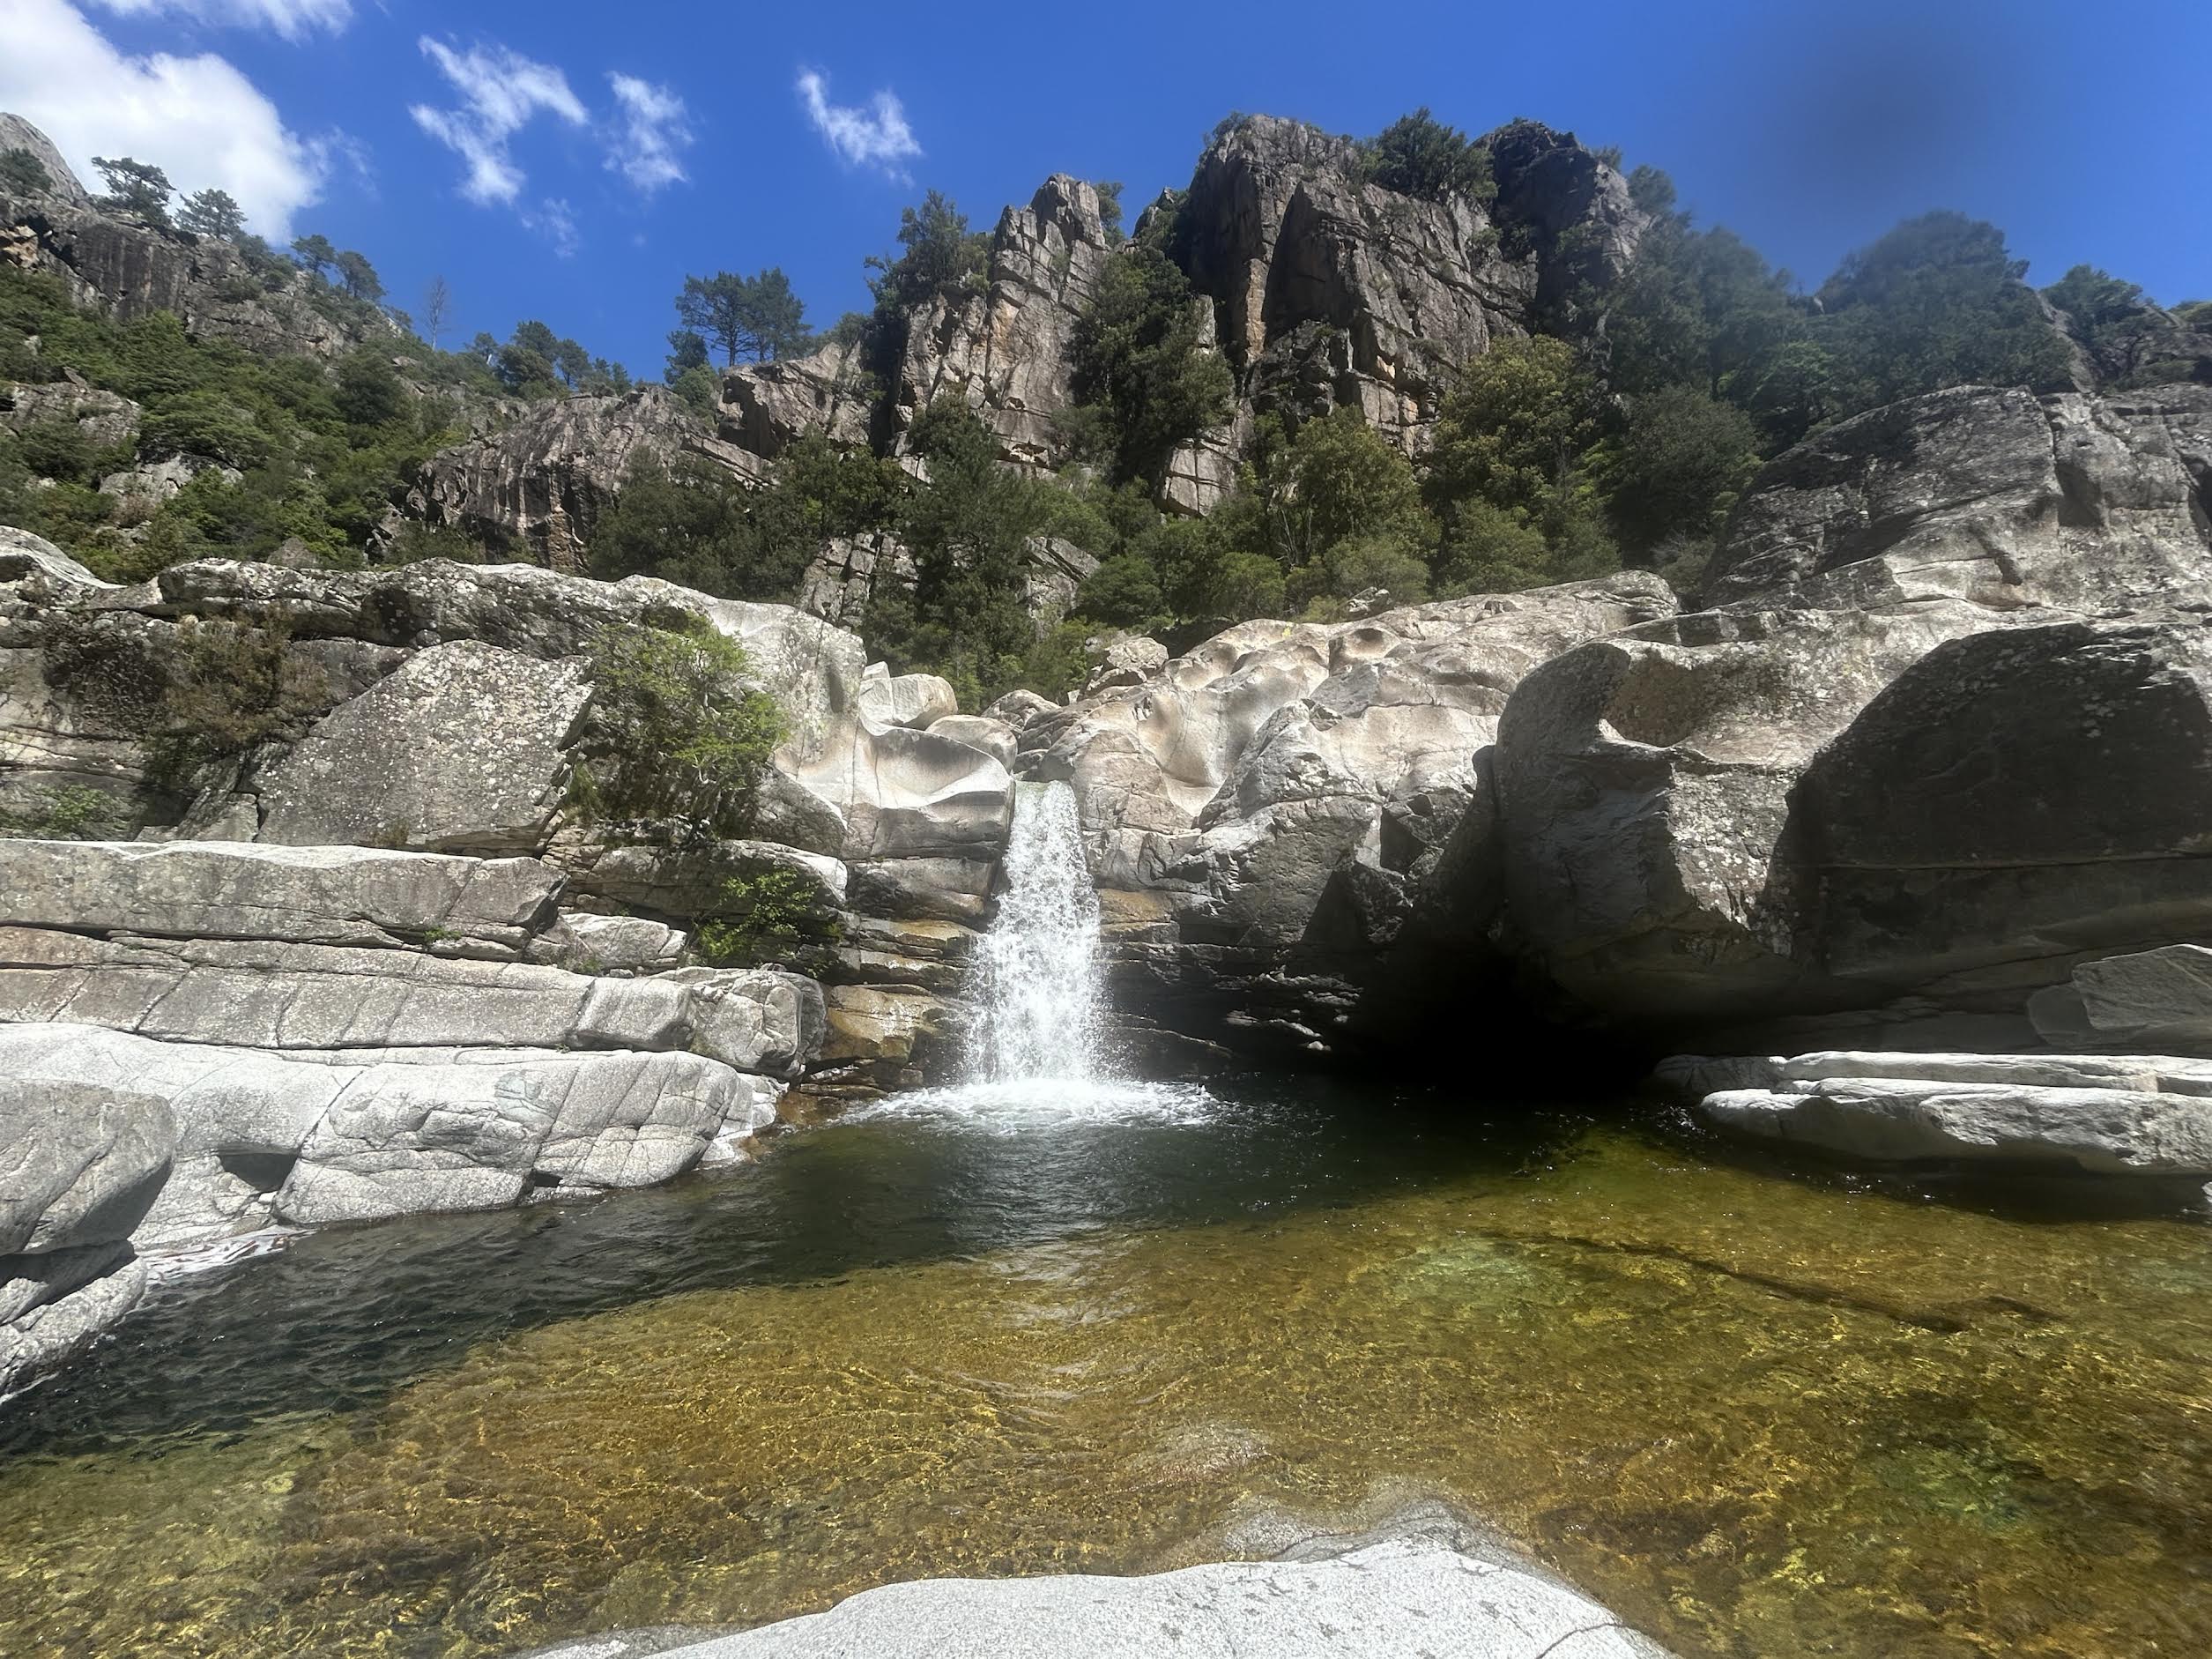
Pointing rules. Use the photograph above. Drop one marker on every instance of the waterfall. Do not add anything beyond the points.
(1038, 966)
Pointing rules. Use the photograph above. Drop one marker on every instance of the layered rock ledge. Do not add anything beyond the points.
(365, 960)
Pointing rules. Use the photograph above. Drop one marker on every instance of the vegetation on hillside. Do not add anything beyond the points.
(1622, 436)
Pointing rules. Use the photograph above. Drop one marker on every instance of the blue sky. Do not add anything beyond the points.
(572, 161)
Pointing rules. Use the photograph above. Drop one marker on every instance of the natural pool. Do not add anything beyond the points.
(1757, 1412)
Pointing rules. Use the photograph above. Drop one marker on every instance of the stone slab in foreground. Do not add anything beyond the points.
(1399, 1599)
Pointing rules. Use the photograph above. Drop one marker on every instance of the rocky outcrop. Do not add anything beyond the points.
(767, 407)
(1330, 290)
(535, 489)
(1999, 497)
(105, 417)
(1004, 351)
(1942, 741)
(1265, 814)
(1320, 286)
(126, 269)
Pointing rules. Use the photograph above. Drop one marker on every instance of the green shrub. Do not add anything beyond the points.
(204, 423)
(764, 912)
(417, 541)
(22, 172)
(675, 732)
(1141, 368)
(66, 812)
(233, 686)
(58, 449)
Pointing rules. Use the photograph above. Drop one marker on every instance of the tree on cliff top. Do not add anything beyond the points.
(1418, 155)
(212, 213)
(756, 316)
(135, 187)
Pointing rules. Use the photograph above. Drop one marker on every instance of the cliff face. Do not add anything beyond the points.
(1324, 289)
(1329, 289)
(534, 490)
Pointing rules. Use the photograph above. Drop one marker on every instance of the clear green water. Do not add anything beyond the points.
(1758, 1413)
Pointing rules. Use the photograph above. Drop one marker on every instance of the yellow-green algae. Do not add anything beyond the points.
(1756, 1417)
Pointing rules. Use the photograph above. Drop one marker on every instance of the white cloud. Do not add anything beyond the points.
(654, 126)
(500, 91)
(554, 219)
(295, 19)
(877, 136)
(199, 118)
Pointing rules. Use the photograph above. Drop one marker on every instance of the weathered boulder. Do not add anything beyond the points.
(463, 749)
(994, 738)
(583, 941)
(1991, 495)
(245, 1137)
(319, 895)
(1944, 741)
(915, 700)
(2159, 998)
(1267, 810)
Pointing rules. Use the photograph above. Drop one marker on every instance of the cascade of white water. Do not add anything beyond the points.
(1039, 962)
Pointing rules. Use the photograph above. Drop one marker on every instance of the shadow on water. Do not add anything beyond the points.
(349, 1315)
(2026, 1193)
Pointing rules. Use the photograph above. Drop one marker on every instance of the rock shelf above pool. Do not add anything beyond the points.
(2107, 1115)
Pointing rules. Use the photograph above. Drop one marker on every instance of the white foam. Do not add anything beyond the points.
(220, 1252)
(1038, 966)
(1028, 1104)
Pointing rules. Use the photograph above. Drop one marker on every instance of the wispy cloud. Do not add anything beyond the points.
(876, 136)
(201, 119)
(500, 91)
(295, 19)
(652, 126)
(554, 219)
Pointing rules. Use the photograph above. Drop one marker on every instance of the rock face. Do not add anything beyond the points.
(1329, 290)
(1005, 351)
(535, 489)
(1943, 739)
(1266, 813)
(1396, 1597)
(105, 417)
